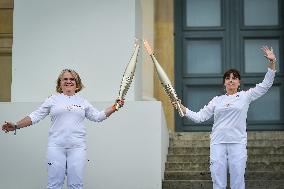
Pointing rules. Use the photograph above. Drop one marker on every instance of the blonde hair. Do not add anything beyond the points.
(79, 84)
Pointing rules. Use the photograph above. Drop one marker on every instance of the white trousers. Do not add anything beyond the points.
(65, 161)
(229, 155)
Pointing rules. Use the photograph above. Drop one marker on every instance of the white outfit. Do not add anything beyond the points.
(66, 152)
(229, 136)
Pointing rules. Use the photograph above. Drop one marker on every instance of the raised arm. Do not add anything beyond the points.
(261, 88)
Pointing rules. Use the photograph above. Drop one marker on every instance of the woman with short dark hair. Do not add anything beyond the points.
(229, 137)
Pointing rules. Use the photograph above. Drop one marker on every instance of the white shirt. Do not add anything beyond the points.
(67, 116)
(230, 112)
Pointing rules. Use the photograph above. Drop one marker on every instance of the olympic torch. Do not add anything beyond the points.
(165, 81)
(127, 76)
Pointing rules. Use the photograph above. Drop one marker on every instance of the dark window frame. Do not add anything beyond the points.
(232, 32)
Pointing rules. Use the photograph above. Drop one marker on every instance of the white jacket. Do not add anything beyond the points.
(67, 116)
(230, 112)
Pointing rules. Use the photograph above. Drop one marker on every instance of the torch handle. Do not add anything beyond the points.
(179, 109)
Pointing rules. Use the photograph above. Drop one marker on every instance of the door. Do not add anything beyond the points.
(212, 36)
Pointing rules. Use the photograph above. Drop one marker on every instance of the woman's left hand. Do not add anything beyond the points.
(268, 53)
(120, 102)
(115, 107)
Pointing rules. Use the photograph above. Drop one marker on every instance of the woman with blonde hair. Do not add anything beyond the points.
(66, 151)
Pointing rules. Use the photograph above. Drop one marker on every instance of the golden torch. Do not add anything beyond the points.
(165, 81)
(127, 76)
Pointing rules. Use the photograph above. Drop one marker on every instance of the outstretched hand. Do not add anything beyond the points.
(268, 53)
(115, 107)
(120, 102)
(8, 126)
(183, 108)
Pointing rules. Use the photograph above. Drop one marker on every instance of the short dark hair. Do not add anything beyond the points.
(235, 73)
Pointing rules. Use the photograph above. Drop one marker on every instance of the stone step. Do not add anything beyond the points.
(251, 166)
(189, 150)
(252, 135)
(191, 136)
(187, 163)
(188, 158)
(206, 143)
(206, 150)
(205, 175)
(207, 184)
(189, 184)
(205, 158)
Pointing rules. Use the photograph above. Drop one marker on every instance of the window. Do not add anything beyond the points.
(212, 36)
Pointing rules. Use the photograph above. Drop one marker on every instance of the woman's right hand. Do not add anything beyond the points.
(183, 108)
(8, 126)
